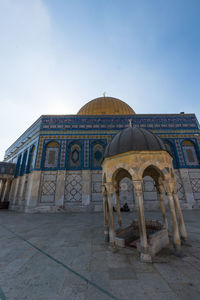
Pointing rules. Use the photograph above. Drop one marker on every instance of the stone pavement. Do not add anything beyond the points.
(63, 256)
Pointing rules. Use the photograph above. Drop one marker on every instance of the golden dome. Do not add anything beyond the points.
(106, 106)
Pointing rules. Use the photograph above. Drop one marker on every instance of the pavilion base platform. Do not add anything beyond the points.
(157, 236)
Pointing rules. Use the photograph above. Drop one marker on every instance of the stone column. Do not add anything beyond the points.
(142, 225)
(110, 191)
(160, 190)
(180, 216)
(3, 185)
(33, 191)
(21, 191)
(117, 191)
(12, 188)
(105, 208)
(7, 190)
(176, 237)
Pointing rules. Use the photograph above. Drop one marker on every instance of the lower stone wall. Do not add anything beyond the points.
(52, 191)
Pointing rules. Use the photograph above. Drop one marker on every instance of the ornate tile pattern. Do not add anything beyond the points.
(195, 182)
(63, 154)
(180, 155)
(86, 154)
(180, 188)
(48, 187)
(73, 187)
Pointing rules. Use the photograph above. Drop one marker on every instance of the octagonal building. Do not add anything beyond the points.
(58, 159)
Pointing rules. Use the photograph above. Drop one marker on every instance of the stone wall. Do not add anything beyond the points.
(51, 191)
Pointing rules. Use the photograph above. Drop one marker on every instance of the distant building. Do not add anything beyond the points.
(58, 159)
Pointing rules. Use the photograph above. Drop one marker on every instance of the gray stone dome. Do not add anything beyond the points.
(133, 138)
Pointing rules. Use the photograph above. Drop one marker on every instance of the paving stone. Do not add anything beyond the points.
(185, 291)
(152, 283)
(140, 267)
(127, 289)
(162, 296)
(171, 274)
(121, 274)
(77, 241)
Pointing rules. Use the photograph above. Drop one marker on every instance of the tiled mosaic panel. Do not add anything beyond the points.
(96, 186)
(195, 183)
(146, 121)
(97, 155)
(51, 157)
(75, 156)
(73, 187)
(48, 187)
(190, 156)
(63, 154)
(86, 154)
(180, 188)
(180, 155)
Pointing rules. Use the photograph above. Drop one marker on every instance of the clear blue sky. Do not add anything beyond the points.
(57, 55)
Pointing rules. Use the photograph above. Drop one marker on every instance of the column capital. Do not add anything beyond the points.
(160, 188)
(103, 189)
(110, 188)
(137, 186)
(169, 186)
(117, 188)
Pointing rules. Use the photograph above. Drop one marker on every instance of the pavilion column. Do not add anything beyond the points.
(142, 225)
(110, 190)
(180, 216)
(7, 190)
(176, 236)
(160, 190)
(117, 190)
(3, 185)
(105, 206)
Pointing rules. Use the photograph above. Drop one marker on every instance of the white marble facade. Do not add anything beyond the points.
(51, 191)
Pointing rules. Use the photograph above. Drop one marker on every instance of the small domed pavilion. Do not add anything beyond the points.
(136, 153)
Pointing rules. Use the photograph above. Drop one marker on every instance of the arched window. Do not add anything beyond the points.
(23, 165)
(51, 155)
(74, 156)
(18, 165)
(190, 154)
(170, 149)
(97, 155)
(30, 159)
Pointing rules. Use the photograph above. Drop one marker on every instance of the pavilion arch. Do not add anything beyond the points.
(136, 163)
(119, 174)
(154, 172)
